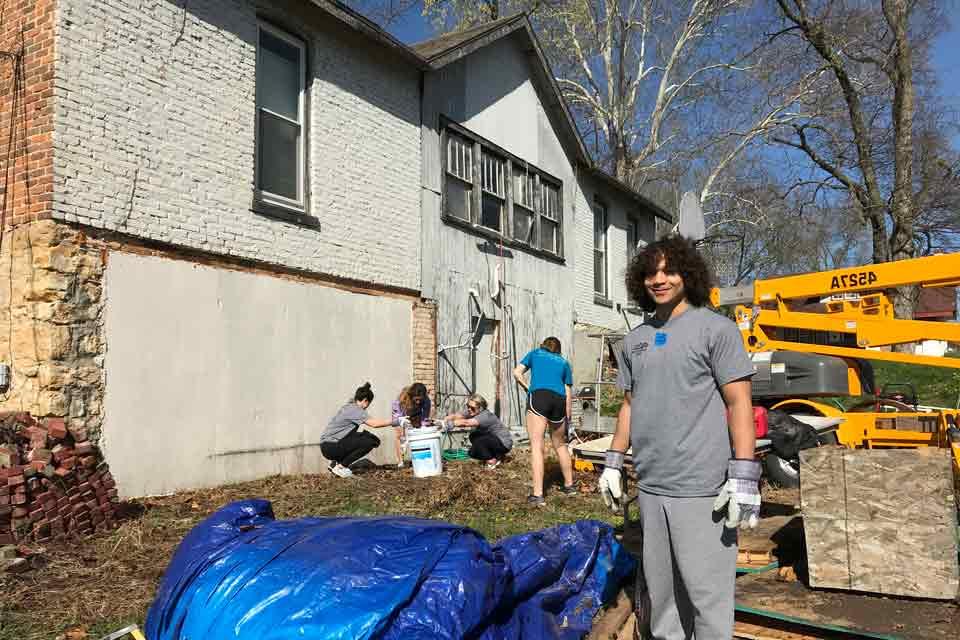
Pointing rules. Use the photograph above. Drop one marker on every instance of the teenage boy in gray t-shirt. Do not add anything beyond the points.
(682, 372)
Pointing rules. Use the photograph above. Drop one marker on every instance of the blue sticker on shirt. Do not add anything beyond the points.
(659, 339)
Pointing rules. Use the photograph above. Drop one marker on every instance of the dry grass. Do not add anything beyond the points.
(99, 584)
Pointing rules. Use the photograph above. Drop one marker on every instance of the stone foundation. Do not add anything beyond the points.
(51, 323)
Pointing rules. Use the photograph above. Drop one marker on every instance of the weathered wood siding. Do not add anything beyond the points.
(490, 92)
(883, 521)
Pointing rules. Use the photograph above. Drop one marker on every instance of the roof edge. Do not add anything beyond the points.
(480, 39)
(371, 30)
(626, 189)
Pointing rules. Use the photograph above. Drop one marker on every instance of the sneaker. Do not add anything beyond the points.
(569, 491)
(340, 471)
(493, 465)
(536, 501)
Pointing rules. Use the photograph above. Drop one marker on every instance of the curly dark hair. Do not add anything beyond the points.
(681, 257)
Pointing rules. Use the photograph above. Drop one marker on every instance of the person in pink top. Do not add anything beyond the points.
(412, 409)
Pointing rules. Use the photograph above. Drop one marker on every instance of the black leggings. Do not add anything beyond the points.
(350, 448)
(485, 446)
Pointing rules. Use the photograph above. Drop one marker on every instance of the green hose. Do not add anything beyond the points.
(455, 454)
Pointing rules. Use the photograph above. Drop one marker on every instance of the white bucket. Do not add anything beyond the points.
(424, 447)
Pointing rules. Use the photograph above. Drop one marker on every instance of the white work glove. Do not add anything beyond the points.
(741, 494)
(611, 488)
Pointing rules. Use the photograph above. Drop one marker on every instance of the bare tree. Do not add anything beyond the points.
(858, 132)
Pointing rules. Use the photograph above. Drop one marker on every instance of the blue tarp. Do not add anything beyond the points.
(241, 574)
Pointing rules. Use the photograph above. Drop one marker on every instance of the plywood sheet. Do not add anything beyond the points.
(900, 485)
(828, 559)
(882, 521)
(821, 482)
(898, 559)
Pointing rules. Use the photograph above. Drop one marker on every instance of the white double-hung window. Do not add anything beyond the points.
(599, 250)
(281, 88)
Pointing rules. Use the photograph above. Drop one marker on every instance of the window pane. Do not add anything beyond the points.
(458, 157)
(278, 76)
(599, 228)
(599, 273)
(632, 237)
(456, 198)
(492, 211)
(523, 187)
(278, 156)
(522, 224)
(548, 235)
(551, 201)
(491, 177)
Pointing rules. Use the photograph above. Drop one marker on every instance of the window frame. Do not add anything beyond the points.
(275, 203)
(604, 210)
(495, 174)
(633, 238)
(512, 163)
(467, 179)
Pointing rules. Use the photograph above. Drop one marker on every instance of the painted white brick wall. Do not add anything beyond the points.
(618, 209)
(154, 136)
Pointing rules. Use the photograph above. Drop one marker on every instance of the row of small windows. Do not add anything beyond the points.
(490, 188)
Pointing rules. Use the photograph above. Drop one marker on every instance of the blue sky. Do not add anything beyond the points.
(946, 58)
(412, 27)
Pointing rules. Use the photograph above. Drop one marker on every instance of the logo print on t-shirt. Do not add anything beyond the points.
(659, 339)
(640, 347)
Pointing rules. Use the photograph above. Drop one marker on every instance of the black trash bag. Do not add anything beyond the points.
(789, 436)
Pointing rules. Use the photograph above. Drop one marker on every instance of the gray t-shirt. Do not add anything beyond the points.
(350, 416)
(678, 423)
(488, 421)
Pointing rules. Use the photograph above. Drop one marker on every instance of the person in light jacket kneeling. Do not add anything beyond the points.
(490, 439)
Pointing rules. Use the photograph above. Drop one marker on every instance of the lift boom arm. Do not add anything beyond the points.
(846, 327)
(932, 271)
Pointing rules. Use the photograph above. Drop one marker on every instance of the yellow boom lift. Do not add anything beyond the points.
(812, 337)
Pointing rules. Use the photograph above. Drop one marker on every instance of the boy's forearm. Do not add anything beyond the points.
(742, 432)
(621, 437)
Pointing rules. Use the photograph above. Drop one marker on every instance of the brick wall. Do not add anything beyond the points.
(425, 344)
(155, 121)
(26, 96)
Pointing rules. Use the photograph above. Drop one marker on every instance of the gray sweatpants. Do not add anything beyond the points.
(690, 564)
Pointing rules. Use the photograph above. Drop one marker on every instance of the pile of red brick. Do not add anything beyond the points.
(53, 481)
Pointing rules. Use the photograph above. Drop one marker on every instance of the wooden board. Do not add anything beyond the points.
(875, 614)
(881, 521)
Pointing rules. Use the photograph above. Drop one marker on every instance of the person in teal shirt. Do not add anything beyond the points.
(549, 401)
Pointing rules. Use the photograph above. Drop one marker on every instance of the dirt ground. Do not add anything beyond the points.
(82, 589)
(93, 586)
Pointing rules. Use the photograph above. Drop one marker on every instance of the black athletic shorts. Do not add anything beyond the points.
(548, 404)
